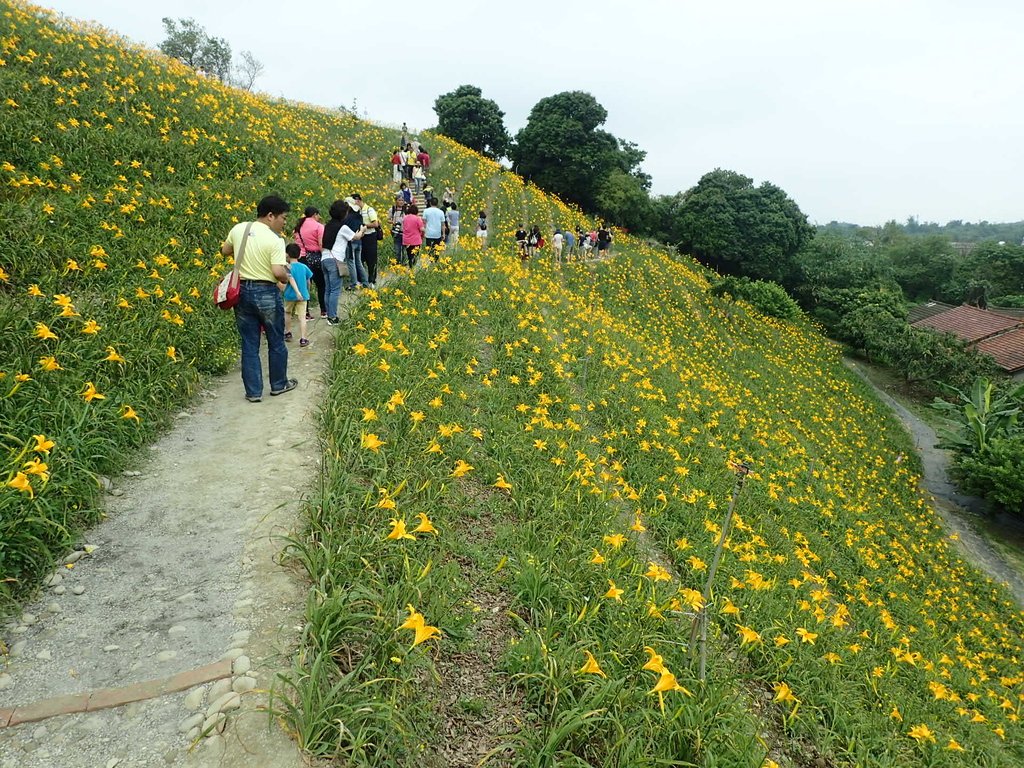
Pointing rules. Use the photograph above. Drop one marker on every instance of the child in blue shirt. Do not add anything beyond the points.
(296, 294)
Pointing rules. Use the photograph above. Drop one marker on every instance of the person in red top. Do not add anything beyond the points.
(396, 166)
(412, 233)
(424, 159)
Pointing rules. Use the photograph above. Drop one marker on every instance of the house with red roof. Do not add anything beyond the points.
(998, 335)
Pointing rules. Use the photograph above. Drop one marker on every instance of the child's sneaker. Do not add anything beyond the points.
(309, 316)
(303, 342)
(288, 336)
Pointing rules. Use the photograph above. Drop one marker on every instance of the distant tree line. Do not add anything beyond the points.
(957, 230)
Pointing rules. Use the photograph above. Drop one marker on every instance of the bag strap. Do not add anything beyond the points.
(240, 256)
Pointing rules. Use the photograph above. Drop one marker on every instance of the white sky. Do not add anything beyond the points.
(862, 111)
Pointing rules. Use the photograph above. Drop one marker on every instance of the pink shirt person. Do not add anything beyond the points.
(310, 235)
(412, 229)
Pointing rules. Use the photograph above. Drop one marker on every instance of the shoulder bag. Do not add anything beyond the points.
(226, 294)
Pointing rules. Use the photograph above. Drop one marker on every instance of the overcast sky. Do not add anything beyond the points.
(862, 111)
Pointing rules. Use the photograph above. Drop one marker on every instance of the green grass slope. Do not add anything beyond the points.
(120, 173)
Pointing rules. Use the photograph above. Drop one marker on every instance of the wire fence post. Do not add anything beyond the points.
(700, 622)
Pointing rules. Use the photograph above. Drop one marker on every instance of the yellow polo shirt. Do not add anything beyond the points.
(369, 215)
(264, 248)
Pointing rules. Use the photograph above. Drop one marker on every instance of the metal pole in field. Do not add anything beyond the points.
(701, 621)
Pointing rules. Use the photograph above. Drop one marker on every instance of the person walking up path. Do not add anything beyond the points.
(452, 218)
(412, 233)
(395, 216)
(337, 235)
(296, 296)
(433, 220)
(263, 267)
(309, 234)
(370, 241)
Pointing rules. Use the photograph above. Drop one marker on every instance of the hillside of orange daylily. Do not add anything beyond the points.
(120, 172)
(612, 403)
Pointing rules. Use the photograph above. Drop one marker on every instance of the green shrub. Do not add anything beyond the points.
(766, 297)
(1013, 300)
(996, 472)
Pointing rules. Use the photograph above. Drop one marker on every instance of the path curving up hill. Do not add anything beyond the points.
(955, 508)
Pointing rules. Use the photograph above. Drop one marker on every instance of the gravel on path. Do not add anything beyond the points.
(182, 572)
(953, 507)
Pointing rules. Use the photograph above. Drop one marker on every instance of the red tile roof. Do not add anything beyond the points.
(1007, 349)
(928, 309)
(969, 323)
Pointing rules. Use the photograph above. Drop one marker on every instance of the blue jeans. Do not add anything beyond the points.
(260, 305)
(332, 284)
(356, 268)
(399, 251)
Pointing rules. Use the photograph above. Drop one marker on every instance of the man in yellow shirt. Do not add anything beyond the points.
(370, 240)
(263, 266)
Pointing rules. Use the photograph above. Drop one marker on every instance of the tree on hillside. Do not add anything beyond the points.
(563, 150)
(923, 266)
(1001, 267)
(735, 227)
(247, 71)
(664, 218)
(623, 200)
(840, 273)
(190, 44)
(478, 123)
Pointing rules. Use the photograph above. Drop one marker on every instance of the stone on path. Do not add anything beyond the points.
(191, 722)
(241, 665)
(225, 703)
(219, 689)
(194, 700)
(215, 723)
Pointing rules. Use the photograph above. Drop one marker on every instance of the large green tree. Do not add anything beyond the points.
(563, 150)
(188, 42)
(923, 266)
(478, 123)
(737, 228)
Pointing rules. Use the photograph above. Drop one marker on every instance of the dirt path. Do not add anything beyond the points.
(955, 508)
(183, 574)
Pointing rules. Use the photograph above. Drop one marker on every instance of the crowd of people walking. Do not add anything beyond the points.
(341, 254)
(565, 245)
(435, 227)
(344, 247)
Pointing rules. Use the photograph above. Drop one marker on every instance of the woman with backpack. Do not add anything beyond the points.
(395, 216)
(533, 241)
(309, 235)
(481, 227)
